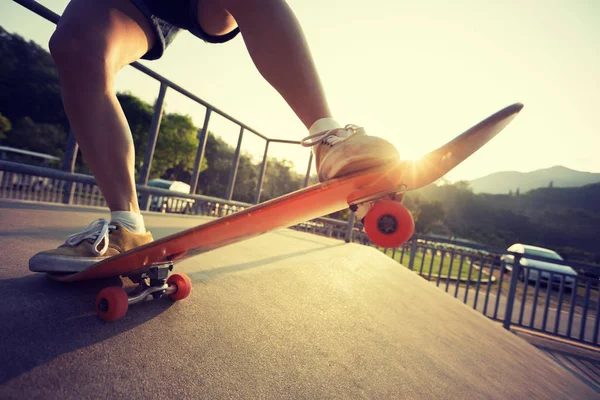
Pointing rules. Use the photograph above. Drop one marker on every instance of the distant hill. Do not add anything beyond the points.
(505, 182)
(563, 219)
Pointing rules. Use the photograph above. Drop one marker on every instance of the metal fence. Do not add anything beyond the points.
(32, 183)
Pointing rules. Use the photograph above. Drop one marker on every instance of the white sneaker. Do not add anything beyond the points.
(342, 151)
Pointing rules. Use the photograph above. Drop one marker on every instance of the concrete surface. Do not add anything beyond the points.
(284, 315)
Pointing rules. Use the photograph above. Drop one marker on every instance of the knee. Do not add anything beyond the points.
(78, 53)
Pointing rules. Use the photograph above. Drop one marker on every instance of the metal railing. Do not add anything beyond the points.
(32, 183)
(165, 84)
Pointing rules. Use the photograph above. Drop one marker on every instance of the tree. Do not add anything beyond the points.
(214, 177)
(176, 145)
(280, 179)
(429, 214)
(43, 138)
(29, 85)
(5, 126)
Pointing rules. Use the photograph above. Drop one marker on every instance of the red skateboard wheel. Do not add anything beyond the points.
(183, 284)
(389, 224)
(112, 303)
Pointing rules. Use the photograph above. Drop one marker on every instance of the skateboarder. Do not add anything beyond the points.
(95, 39)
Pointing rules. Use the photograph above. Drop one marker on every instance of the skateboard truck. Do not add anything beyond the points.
(157, 288)
(112, 302)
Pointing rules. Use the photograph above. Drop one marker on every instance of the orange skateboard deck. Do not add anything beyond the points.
(155, 260)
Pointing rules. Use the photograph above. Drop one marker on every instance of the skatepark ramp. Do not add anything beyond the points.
(283, 315)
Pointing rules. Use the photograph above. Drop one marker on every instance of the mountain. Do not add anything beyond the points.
(563, 219)
(558, 176)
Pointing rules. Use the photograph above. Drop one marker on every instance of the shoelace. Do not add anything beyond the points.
(98, 230)
(330, 137)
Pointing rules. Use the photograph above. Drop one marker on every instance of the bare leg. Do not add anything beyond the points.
(93, 41)
(277, 46)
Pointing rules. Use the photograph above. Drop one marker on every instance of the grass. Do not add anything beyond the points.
(443, 267)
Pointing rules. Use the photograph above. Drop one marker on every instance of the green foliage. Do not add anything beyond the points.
(564, 219)
(215, 176)
(428, 215)
(279, 175)
(176, 146)
(30, 97)
(29, 85)
(280, 179)
(5, 126)
(40, 137)
(175, 154)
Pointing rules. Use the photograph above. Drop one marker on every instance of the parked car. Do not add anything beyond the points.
(543, 268)
(170, 204)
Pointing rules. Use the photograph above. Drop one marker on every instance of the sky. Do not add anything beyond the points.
(416, 73)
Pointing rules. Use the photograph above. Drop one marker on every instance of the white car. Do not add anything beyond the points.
(543, 268)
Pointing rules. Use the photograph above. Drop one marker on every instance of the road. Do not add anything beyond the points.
(284, 315)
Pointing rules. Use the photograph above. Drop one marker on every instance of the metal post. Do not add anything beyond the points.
(236, 163)
(70, 153)
(153, 135)
(307, 177)
(350, 227)
(203, 138)
(261, 177)
(144, 198)
(68, 165)
(68, 193)
(512, 290)
(413, 252)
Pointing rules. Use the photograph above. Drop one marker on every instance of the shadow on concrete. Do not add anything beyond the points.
(39, 233)
(302, 236)
(229, 269)
(586, 369)
(43, 319)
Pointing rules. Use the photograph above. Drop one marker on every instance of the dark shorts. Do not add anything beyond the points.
(168, 17)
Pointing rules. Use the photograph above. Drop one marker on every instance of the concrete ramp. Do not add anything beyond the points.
(284, 315)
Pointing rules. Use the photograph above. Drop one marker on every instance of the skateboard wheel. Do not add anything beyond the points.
(183, 284)
(112, 303)
(389, 224)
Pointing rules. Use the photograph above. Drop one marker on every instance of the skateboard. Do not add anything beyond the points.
(387, 222)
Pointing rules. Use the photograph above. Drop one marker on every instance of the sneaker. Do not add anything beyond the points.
(99, 241)
(342, 151)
